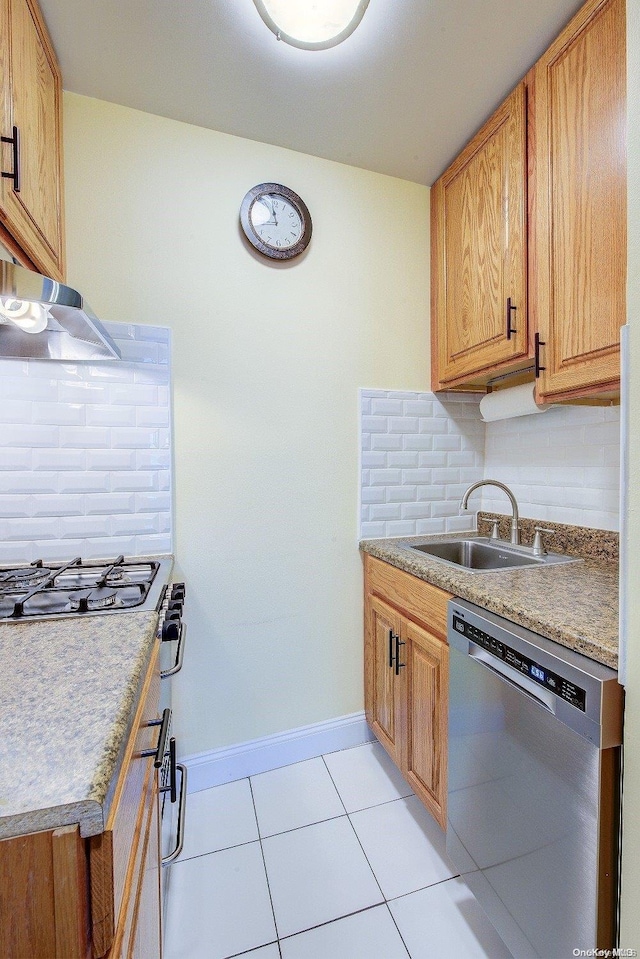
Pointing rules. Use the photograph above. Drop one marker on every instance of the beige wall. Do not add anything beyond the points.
(267, 361)
(630, 911)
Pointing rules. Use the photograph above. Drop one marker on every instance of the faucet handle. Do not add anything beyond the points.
(494, 531)
(538, 545)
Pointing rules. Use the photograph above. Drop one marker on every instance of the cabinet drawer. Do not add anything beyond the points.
(415, 598)
(114, 852)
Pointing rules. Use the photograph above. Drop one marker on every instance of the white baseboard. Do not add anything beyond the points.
(218, 766)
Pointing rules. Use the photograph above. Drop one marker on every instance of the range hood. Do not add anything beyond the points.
(46, 320)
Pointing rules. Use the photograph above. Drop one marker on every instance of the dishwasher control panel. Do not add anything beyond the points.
(539, 674)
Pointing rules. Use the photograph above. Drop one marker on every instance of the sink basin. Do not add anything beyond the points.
(484, 555)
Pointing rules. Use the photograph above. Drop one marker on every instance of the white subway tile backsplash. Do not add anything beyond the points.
(136, 438)
(85, 460)
(58, 459)
(28, 528)
(375, 424)
(400, 494)
(372, 494)
(100, 415)
(133, 525)
(151, 416)
(152, 544)
(24, 434)
(373, 460)
(69, 504)
(58, 414)
(155, 502)
(23, 482)
(386, 441)
(562, 466)
(29, 388)
(83, 482)
(85, 438)
(15, 411)
(15, 505)
(109, 503)
(16, 459)
(111, 460)
(384, 407)
(404, 459)
(130, 482)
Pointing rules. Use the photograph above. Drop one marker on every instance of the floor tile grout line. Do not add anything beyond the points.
(393, 920)
(212, 852)
(367, 858)
(430, 885)
(316, 822)
(330, 922)
(264, 864)
(247, 952)
(334, 785)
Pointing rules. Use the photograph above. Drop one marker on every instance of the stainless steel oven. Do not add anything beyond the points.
(172, 633)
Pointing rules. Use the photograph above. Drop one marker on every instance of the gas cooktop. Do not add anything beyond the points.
(80, 588)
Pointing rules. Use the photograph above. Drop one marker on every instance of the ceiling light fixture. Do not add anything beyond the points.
(312, 24)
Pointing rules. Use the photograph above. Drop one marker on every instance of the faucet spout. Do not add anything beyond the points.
(515, 531)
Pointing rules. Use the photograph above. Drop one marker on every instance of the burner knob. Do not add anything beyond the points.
(170, 628)
(175, 605)
(178, 591)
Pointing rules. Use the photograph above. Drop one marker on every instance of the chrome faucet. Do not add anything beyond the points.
(515, 532)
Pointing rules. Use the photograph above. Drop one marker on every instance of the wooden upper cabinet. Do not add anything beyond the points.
(579, 202)
(479, 250)
(32, 102)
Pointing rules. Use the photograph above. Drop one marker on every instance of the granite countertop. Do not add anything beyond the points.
(69, 689)
(575, 604)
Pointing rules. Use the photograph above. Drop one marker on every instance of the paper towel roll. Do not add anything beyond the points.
(514, 401)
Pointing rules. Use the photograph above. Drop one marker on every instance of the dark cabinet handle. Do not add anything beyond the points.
(392, 636)
(510, 309)
(172, 788)
(158, 752)
(538, 343)
(399, 665)
(15, 176)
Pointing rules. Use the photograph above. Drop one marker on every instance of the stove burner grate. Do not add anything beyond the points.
(86, 600)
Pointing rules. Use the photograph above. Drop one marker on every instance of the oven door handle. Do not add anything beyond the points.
(177, 666)
(182, 808)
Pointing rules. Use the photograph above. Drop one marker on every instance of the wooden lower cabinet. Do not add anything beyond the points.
(427, 679)
(407, 675)
(65, 897)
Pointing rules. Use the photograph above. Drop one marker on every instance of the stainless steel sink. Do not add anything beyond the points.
(484, 555)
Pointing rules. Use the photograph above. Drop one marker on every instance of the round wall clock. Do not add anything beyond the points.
(275, 221)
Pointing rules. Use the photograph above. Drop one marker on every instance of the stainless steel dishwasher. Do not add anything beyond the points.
(534, 774)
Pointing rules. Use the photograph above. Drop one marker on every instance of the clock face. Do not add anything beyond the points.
(275, 221)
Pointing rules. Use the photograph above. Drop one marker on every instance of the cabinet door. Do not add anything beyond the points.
(427, 669)
(147, 939)
(383, 688)
(479, 255)
(579, 183)
(32, 102)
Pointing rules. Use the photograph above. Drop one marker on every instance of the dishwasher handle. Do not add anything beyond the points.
(509, 675)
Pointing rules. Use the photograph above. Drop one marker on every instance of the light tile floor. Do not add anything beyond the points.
(332, 858)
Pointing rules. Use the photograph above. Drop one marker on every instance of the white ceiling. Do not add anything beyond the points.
(401, 96)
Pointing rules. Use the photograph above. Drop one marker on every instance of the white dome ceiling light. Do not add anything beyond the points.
(312, 24)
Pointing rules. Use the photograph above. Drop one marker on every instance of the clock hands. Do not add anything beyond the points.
(268, 202)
